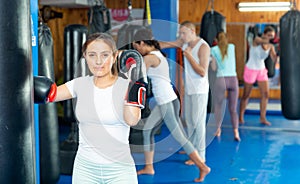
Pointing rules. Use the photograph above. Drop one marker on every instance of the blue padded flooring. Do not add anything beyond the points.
(266, 155)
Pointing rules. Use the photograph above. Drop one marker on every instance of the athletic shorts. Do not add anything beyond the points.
(250, 76)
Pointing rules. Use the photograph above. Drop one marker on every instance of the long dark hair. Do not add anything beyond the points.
(146, 36)
(268, 29)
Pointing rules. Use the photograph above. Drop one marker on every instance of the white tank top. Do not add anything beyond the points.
(160, 79)
(194, 83)
(257, 56)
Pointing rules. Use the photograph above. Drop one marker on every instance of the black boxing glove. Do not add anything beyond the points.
(131, 64)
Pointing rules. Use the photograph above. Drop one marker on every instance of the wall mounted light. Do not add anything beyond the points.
(264, 6)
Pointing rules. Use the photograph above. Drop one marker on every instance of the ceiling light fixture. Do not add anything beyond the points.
(264, 6)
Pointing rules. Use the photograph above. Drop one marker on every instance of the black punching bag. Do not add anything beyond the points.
(212, 22)
(290, 64)
(74, 37)
(48, 120)
(128, 30)
(99, 19)
(17, 151)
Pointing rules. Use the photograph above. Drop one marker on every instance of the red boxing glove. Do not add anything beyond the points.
(45, 90)
(52, 93)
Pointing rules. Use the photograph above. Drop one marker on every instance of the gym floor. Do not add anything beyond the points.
(266, 155)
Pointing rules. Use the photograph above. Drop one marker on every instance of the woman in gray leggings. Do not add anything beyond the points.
(167, 104)
(223, 60)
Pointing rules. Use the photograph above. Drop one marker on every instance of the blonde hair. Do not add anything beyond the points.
(222, 43)
(188, 24)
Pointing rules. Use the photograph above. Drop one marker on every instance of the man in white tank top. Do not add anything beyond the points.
(196, 61)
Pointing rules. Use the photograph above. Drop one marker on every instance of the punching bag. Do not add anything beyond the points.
(290, 64)
(99, 19)
(269, 63)
(125, 35)
(212, 22)
(74, 37)
(17, 151)
(270, 66)
(48, 120)
(128, 30)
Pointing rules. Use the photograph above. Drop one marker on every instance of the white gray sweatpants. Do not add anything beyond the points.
(195, 112)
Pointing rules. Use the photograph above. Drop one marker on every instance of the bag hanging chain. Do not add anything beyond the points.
(293, 4)
(211, 2)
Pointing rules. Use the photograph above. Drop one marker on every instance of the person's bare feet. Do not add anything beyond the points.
(146, 170)
(218, 132)
(237, 138)
(241, 120)
(182, 152)
(265, 122)
(189, 162)
(203, 174)
(236, 135)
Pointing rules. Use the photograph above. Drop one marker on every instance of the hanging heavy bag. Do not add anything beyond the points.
(212, 22)
(99, 19)
(127, 31)
(290, 64)
(74, 36)
(269, 63)
(48, 121)
(17, 140)
(270, 66)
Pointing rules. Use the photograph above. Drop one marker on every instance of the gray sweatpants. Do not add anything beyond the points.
(169, 113)
(195, 112)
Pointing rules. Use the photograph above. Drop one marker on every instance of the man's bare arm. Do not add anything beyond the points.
(172, 44)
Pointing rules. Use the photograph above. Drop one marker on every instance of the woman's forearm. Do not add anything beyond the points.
(132, 115)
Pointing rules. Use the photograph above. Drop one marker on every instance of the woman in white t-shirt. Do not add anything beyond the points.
(168, 104)
(104, 119)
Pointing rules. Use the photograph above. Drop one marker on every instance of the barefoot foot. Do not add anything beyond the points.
(236, 135)
(189, 162)
(148, 171)
(242, 121)
(237, 138)
(182, 152)
(218, 132)
(265, 122)
(203, 174)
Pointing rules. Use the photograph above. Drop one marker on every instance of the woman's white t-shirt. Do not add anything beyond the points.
(103, 133)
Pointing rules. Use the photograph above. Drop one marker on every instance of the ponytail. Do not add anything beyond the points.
(223, 44)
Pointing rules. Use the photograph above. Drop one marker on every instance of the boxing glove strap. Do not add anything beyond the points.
(136, 95)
